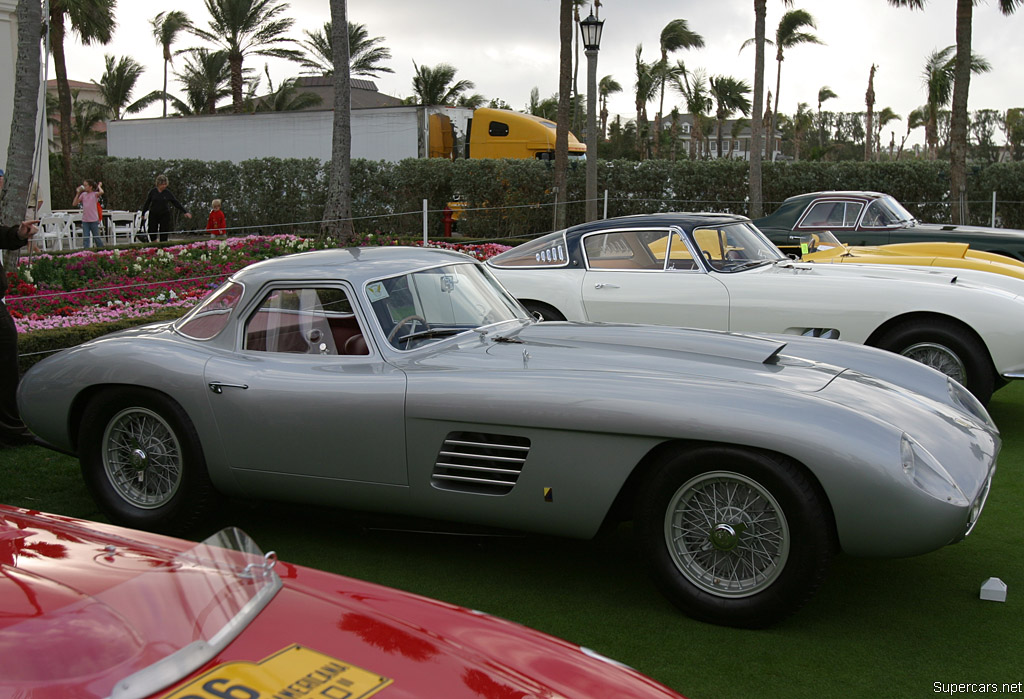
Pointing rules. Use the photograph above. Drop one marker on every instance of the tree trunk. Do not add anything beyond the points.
(775, 110)
(562, 122)
(165, 88)
(958, 121)
(63, 95)
(760, 10)
(869, 102)
(22, 144)
(338, 212)
(236, 81)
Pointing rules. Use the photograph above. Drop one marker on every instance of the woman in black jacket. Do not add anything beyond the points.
(158, 204)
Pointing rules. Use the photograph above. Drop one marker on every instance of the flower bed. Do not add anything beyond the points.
(81, 288)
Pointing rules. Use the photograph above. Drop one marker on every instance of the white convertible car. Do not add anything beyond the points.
(719, 271)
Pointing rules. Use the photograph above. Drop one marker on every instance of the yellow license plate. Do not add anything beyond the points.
(291, 673)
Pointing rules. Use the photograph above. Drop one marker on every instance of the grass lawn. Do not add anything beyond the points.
(891, 628)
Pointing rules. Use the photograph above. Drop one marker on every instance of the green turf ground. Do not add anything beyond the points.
(889, 628)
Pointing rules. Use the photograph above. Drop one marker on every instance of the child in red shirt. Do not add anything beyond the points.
(216, 224)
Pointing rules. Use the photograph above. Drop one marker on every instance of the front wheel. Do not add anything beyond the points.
(142, 462)
(950, 349)
(735, 536)
(542, 311)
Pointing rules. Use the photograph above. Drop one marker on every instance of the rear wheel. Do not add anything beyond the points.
(142, 462)
(542, 311)
(734, 536)
(951, 349)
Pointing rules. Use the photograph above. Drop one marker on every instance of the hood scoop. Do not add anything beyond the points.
(474, 462)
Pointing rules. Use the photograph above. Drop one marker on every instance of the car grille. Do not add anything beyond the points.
(480, 463)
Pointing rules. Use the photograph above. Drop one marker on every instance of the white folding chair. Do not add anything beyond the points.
(54, 231)
(139, 228)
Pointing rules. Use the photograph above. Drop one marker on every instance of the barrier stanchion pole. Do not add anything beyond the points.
(424, 221)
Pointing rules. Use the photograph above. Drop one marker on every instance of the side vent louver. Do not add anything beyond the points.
(473, 462)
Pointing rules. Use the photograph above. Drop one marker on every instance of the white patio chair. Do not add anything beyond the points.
(54, 232)
(139, 230)
(123, 223)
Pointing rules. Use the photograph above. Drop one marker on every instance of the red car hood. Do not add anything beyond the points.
(93, 610)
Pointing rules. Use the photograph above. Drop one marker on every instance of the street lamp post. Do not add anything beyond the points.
(591, 29)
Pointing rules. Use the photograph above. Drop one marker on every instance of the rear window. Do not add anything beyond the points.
(212, 315)
(547, 251)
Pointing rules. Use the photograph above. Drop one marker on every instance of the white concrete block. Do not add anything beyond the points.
(993, 589)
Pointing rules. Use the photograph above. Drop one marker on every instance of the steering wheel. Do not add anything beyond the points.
(408, 320)
(707, 256)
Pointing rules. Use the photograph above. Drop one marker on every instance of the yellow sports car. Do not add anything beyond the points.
(825, 248)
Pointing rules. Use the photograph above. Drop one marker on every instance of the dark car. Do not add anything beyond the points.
(872, 218)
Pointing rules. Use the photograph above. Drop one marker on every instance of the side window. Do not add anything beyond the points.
(212, 315)
(634, 250)
(314, 320)
(497, 128)
(832, 214)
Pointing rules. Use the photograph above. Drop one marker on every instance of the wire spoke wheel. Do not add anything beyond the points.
(142, 458)
(727, 534)
(938, 357)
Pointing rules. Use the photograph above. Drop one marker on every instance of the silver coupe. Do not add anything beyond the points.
(409, 381)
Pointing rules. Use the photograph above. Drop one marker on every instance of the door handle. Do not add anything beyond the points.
(602, 285)
(218, 387)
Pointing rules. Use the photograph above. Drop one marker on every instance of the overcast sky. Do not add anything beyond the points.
(507, 48)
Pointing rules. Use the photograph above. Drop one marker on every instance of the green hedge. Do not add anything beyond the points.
(512, 198)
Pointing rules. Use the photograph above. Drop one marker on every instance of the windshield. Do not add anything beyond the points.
(818, 241)
(140, 636)
(423, 307)
(885, 212)
(735, 246)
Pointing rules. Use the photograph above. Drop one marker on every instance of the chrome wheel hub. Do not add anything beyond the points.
(727, 534)
(938, 357)
(142, 458)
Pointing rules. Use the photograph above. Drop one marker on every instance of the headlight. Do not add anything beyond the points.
(965, 400)
(925, 472)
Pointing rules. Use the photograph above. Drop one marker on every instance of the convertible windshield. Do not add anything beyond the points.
(885, 212)
(425, 306)
(735, 247)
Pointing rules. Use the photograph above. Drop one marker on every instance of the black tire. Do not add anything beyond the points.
(543, 311)
(735, 536)
(949, 348)
(142, 462)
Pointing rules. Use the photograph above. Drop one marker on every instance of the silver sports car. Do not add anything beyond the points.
(409, 381)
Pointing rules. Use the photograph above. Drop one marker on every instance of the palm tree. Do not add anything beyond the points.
(117, 85)
(790, 34)
(437, 85)
(22, 143)
(938, 75)
(93, 21)
(645, 85)
(869, 101)
(338, 210)
(605, 87)
(286, 98)
(825, 93)
(882, 119)
(244, 28)
(697, 96)
(365, 54)
(675, 36)
(207, 80)
(803, 121)
(166, 27)
(915, 119)
(754, 180)
(87, 115)
(961, 87)
(546, 108)
(730, 96)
